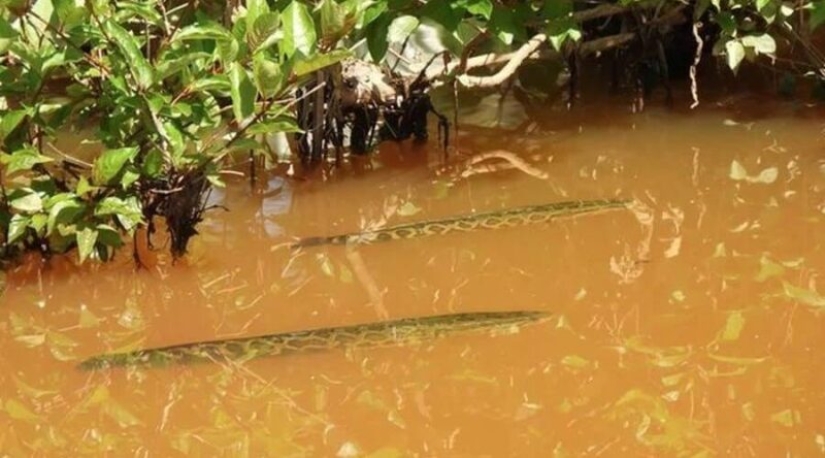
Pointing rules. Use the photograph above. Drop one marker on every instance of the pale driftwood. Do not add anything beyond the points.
(515, 62)
(513, 162)
(530, 49)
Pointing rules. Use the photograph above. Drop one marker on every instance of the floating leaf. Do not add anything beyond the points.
(733, 326)
(737, 172)
(575, 361)
(87, 318)
(803, 295)
(769, 269)
(31, 340)
(120, 414)
(344, 273)
(387, 452)
(408, 209)
(786, 418)
(766, 176)
(739, 361)
(326, 265)
(748, 411)
(18, 411)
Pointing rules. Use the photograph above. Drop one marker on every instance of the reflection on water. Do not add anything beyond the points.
(687, 325)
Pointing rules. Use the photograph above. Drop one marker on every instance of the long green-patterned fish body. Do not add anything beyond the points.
(518, 216)
(385, 333)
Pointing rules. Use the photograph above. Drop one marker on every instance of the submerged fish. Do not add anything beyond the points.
(490, 220)
(381, 334)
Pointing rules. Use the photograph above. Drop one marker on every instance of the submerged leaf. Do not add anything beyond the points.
(733, 326)
(766, 176)
(408, 209)
(575, 361)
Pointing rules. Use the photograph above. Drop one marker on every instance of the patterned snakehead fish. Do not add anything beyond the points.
(381, 334)
(491, 220)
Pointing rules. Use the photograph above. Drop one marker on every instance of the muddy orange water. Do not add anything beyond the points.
(688, 325)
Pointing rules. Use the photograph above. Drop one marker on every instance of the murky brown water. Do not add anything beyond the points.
(689, 326)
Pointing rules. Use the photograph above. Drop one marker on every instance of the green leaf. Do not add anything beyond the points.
(207, 31)
(401, 28)
(86, 240)
(560, 30)
(83, 186)
(22, 160)
(243, 92)
(108, 236)
(7, 35)
(803, 295)
(130, 176)
(557, 9)
(127, 211)
(733, 326)
(215, 180)
(268, 76)
(228, 51)
(110, 163)
(762, 44)
(63, 212)
(484, 8)
(17, 228)
(817, 14)
(727, 21)
(11, 119)
(281, 123)
(319, 61)
(735, 53)
(265, 33)
(153, 163)
(299, 30)
(38, 223)
(503, 25)
(254, 10)
(127, 44)
(442, 13)
(761, 4)
(332, 19)
(28, 203)
(211, 83)
(377, 37)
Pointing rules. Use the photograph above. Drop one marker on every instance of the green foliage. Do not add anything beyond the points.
(171, 90)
